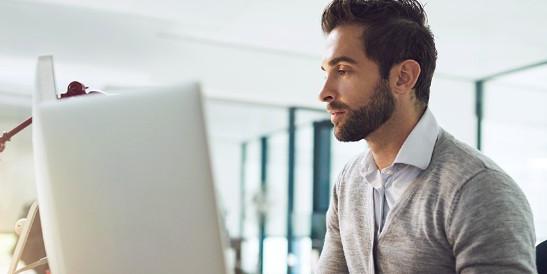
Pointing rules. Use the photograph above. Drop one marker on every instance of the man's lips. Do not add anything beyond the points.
(336, 115)
(336, 112)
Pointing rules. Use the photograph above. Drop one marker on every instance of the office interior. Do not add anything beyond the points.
(273, 154)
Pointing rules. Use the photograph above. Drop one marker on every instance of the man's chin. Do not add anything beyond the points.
(342, 137)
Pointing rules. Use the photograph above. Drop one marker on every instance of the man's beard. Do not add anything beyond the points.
(359, 123)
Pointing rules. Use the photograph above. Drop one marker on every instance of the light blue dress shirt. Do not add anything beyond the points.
(391, 182)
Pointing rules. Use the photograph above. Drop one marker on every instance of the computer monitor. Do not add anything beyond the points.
(124, 184)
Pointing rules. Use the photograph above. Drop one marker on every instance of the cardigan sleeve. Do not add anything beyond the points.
(491, 227)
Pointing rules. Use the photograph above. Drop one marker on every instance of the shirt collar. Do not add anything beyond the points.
(417, 148)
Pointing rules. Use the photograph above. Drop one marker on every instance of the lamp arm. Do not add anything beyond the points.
(74, 89)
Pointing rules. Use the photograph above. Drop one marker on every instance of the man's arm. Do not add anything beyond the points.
(491, 226)
(332, 258)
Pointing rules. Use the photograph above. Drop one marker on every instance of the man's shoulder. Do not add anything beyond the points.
(352, 169)
(453, 159)
(450, 150)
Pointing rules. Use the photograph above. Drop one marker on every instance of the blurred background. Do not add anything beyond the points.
(273, 153)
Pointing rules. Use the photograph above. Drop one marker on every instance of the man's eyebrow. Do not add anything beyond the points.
(335, 61)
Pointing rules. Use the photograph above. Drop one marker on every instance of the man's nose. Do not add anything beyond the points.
(327, 93)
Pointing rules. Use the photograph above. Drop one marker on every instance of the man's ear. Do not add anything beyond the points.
(403, 76)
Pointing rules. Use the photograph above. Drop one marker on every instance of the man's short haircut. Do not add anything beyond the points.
(394, 31)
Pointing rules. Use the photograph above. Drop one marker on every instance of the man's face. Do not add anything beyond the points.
(358, 99)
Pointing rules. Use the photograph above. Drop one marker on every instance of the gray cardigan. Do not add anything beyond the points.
(462, 214)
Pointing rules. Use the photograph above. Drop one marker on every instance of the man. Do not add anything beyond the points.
(419, 201)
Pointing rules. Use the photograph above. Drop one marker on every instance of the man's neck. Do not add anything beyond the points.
(386, 141)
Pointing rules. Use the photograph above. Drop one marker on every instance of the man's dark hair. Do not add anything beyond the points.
(395, 30)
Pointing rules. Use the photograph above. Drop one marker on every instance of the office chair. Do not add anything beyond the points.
(541, 257)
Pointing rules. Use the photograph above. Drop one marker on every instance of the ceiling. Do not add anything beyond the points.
(252, 50)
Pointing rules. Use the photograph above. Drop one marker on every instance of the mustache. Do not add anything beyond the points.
(335, 105)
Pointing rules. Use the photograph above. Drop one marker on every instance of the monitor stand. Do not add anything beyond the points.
(30, 247)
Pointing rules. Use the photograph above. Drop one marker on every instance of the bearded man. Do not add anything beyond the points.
(419, 201)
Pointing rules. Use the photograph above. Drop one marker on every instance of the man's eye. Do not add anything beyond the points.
(341, 72)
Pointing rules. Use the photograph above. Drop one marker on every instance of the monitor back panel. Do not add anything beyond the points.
(125, 185)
